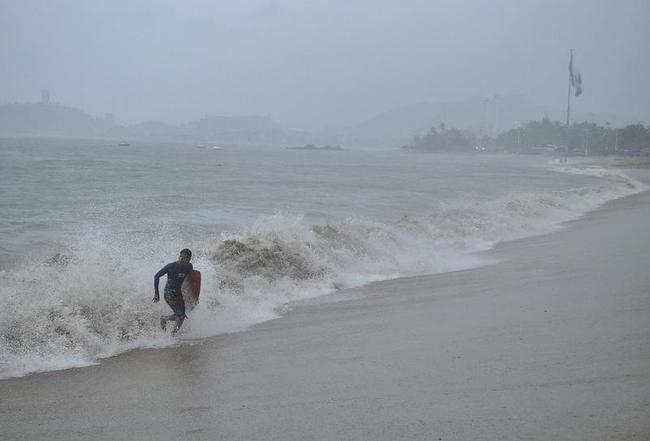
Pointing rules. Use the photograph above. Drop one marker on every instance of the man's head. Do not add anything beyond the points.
(185, 255)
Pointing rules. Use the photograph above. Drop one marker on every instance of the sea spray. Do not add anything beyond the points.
(94, 300)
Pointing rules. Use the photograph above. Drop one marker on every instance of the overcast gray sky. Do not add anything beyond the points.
(312, 62)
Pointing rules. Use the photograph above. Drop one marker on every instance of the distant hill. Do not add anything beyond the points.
(481, 116)
(217, 129)
(239, 129)
(217, 124)
(151, 130)
(58, 121)
(52, 120)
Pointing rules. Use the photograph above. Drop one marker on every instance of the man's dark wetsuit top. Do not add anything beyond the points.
(176, 273)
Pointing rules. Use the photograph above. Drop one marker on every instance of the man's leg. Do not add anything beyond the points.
(179, 322)
(166, 318)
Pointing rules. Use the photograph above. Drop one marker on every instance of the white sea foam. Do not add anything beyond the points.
(74, 309)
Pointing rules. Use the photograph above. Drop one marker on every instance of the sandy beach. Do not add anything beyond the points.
(552, 342)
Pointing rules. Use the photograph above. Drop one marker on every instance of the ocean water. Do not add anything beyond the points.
(84, 225)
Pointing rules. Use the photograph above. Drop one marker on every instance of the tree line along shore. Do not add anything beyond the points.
(541, 137)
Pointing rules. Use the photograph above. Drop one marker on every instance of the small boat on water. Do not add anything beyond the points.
(124, 144)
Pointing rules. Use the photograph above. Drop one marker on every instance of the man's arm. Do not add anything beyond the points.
(156, 280)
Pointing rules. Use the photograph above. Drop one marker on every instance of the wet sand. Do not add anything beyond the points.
(551, 343)
(628, 162)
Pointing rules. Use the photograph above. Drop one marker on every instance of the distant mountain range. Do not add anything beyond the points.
(59, 121)
(482, 116)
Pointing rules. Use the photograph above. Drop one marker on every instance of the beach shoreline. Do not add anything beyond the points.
(551, 342)
(612, 161)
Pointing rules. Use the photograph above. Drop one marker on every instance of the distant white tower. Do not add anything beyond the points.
(45, 96)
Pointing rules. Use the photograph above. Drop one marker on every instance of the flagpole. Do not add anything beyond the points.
(568, 103)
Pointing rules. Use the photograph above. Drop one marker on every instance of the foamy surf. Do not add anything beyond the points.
(95, 301)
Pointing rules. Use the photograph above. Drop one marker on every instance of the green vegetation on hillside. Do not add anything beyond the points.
(540, 137)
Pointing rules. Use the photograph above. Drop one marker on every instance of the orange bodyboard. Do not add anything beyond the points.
(191, 289)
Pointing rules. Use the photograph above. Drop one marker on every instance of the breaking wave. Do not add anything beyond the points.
(95, 301)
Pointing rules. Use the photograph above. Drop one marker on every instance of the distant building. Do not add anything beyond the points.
(45, 96)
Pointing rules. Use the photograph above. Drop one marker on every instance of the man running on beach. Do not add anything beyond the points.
(176, 274)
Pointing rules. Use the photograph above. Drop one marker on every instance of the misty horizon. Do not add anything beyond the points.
(315, 64)
(488, 106)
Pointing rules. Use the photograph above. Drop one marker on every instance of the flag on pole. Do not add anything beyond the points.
(578, 85)
(575, 78)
